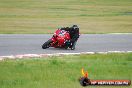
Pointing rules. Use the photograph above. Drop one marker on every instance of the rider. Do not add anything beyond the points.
(74, 34)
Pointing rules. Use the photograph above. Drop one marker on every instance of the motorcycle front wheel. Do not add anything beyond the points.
(47, 44)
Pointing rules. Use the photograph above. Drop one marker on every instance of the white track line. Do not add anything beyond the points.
(55, 54)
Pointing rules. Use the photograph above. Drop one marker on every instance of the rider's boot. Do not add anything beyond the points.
(73, 45)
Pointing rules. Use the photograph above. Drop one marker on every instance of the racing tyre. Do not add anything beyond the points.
(47, 44)
(66, 47)
(73, 48)
(85, 81)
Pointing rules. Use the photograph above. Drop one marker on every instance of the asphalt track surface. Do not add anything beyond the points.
(17, 44)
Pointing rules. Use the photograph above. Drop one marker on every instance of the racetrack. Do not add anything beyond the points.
(16, 44)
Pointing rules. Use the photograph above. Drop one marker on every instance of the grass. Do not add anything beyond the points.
(44, 16)
(63, 72)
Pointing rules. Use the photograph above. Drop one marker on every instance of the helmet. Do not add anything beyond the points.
(75, 27)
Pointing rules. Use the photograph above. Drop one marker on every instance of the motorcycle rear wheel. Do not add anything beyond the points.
(47, 44)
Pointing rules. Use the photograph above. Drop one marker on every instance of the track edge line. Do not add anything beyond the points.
(55, 54)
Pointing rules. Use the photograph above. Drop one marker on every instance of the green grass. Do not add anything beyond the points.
(44, 16)
(64, 72)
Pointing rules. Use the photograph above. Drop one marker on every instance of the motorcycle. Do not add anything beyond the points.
(58, 40)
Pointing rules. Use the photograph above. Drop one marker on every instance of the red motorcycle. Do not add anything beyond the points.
(58, 40)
